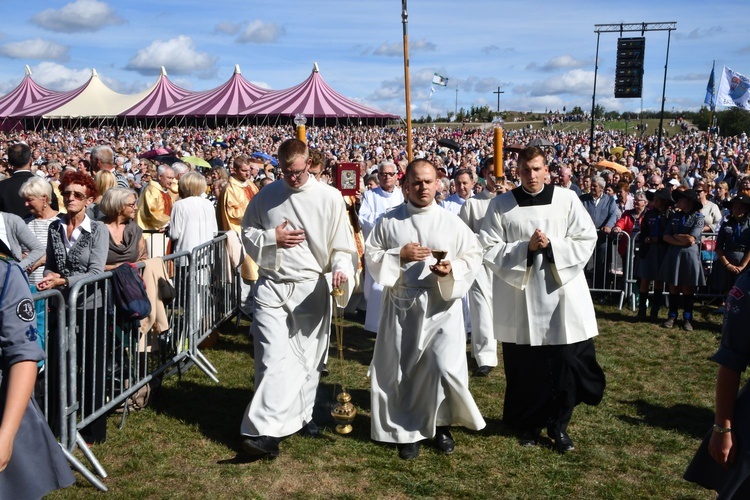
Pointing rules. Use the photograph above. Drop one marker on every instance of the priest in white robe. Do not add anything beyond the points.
(296, 230)
(419, 378)
(483, 341)
(375, 203)
(537, 240)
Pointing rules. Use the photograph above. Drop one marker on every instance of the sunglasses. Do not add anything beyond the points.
(76, 194)
(388, 174)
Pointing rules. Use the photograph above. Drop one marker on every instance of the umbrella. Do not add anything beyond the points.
(264, 156)
(620, 169)
(617, 151)
(168, 159)
(196, 161)
(449, 143)
(540, 142)
(513, 148)
(150, 155)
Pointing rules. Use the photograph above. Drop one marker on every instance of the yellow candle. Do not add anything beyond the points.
(498, 151)
(301, 134)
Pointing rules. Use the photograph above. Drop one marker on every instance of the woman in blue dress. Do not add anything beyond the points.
(683, 269)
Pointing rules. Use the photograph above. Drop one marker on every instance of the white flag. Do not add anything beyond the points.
(432, 91)
(439, 80)
(734, 90)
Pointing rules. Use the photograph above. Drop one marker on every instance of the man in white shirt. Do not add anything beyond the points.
(375, 203)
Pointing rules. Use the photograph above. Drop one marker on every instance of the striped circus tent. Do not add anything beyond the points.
(164, 95)
(226, 100)
(27, 93)
(314, 99)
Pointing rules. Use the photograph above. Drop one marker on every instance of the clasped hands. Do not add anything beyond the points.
(538, 241)
(289, 238)
(414, 252)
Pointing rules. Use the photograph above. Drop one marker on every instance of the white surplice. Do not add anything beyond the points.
(547, 303)
(483, 341)
(292, 315)
(375, 203)
(418, 375)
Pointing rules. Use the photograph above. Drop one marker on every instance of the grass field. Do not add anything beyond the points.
(635, 444)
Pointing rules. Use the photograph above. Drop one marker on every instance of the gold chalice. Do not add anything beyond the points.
(439, 255)
(343, 412)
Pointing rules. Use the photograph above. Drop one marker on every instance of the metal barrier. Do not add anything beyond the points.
(607, 271)
(97, 361)
(630, 263)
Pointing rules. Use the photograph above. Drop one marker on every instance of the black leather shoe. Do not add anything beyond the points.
(310, 430)
(529, 438)
(261, 446)
(444, 441)
(563, 443)
(483, 371)
(408, 451)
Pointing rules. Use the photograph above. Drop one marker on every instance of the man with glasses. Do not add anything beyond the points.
(297, 232)
(376, 202)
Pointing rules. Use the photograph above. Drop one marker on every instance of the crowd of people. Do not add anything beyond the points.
(422, 246)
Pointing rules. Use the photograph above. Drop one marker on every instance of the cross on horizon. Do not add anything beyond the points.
(498, 98)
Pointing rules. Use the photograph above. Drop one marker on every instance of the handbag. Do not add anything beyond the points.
(166, 290)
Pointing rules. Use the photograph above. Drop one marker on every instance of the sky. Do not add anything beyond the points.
(541, 54)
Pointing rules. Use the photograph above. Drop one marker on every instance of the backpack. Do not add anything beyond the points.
(129, 293)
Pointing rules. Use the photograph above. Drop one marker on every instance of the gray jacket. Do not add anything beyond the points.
(20, 239)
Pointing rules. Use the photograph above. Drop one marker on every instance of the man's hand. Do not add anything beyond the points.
(721, 448)
(288, 238)
(412, 252)
(339, 279)
(442, 269)
(606, 229)
(538, 241)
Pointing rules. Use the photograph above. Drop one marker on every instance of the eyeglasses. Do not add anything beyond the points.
(132, 205)
(387, 174)
(76, 194)
(294, 174)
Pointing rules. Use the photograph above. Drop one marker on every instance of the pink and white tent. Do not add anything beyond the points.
(313, 98)
(27, 92)
(164, 95)
(225, 100)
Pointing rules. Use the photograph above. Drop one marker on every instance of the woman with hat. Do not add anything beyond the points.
(732, 245)
(651, 250)
(682, 269)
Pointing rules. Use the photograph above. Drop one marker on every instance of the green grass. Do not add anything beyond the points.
(636, 443)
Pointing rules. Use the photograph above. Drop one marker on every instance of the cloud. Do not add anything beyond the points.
(396, 49)
(691, 77)
(177, 55)
(490, 49)
(77, 17)
(259, 32)
(744, 50)
(575, 82)
(35, 48)
(700, 33)
(58, 77)
(560, 62)
(228, 28)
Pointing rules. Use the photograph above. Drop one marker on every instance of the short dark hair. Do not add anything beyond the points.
(19, 155)
(529, 153)
(410, 167)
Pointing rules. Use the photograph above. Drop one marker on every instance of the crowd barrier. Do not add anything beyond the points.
(609, 272)
(98, 363)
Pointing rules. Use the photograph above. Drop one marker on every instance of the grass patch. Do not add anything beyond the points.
(636, 443)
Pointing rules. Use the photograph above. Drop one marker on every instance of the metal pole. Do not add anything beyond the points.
(593, 96)
(663, 94)
(405, 22)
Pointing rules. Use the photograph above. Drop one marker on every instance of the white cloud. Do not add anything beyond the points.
(58, 77)
(560, 62)
(79, 16)
(35, 48)
(575, 82)
(177, 55)
(700, 33)
(259, 32)
(396, 49)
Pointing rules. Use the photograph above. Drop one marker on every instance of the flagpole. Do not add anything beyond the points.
(407, 93)
(711, 116)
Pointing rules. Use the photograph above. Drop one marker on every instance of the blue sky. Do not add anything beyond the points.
(540, 53)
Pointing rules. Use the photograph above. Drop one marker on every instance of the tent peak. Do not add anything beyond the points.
(94, 74)
(237, 70)
(315, 68)
(163, 71)
(28, 70)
